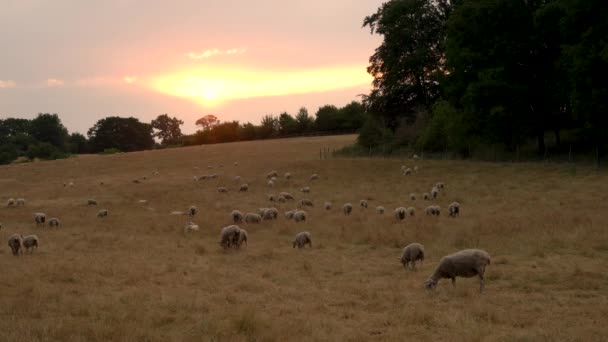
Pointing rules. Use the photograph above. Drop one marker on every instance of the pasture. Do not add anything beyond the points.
(136, 276)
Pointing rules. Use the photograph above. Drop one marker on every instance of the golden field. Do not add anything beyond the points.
(135, 275)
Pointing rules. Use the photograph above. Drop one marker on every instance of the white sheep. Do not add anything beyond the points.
(411, 211)
(289, 214)
(300, 216)
(54, 222)
(287, 195)
(347, 208)
(253, 218)
(454, 209)
(40, 219)
(412, 196)
(222, 189)
(270, 214)
(192, 211)
(229, 236)
(400, 213)
(302, 239)
(426, 196)
(407, 172)
(30, 242)
(466, 263)
(433, 210)
(272, 174)
(236, 216)
(412, 253)
(281, 199)
(102, 213)
(416, 169)
(434, 192)
(91, 202)
(20, 202)
(15, 242)
(314, 177)
(306, 203)
(10, 202)
(380, 210)
(237, 179)
(440, 185)
(305, 189)
(327, 205)
(270, 184)
(242, 237)
(244, 187)
(363, 203)
(287, 175)
(191, 227)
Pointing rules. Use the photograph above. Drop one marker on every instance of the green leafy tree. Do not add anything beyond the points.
(125, 134)
(167, 129)
(304, 121)
(48, 128)
(269, 127)
(78, 143)
(287, 124)
(328, 118)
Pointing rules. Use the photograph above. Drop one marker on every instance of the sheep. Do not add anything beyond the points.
(426, 196)
(222, 189)
(270, 184)
(244, 187)
(440, 185)
(272, 198)
(270, 214)
(30, 242)
(363, 203)
(237, 179)
(302, 239)
(412, 253)
(305, 190)
(416, 169)
(400, 213)
(281, 199)
(242, 237)
(213, 176)
(314, 177)
(415, 156)
(191, 227)
(300, 216)
(142, 201)
(40, 219)
(253, 218)
(14, 242)
(20, 202)
(465, 263)
(272, 174)
(287, 195)
(287, 175)
(54, 222)
(229, 236)
(236, 216)
(327, 205)
(412, 196)
(434, 192)
(380, 210)
(347, 208)
(274, 179)
(403, 167)
(91, 202)
(306, 203)
(454, 209)
(192, 211)
(411, 211)
(407, 172)
(433, 210)
(289, 214)
(262, 210)
(136, 181)
(10, 202)
(102, 213)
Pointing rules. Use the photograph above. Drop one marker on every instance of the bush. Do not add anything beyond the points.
(373, 134)
(43, 150)
(112, 150)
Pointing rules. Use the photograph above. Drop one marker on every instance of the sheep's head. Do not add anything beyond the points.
(430, 284)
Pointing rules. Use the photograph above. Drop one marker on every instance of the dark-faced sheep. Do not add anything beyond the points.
(302, 239)
(244, 188)
(237, 216)
(454, 209)
(363, 204)
(30, 242)
(299, 216)
(347, 209)
(400, 213)
(40, 219)
(466, 263)
(15, 242)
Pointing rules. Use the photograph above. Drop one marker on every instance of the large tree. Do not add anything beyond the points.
(207, 121)
(49, 129)
(167, 129)
(125, 134)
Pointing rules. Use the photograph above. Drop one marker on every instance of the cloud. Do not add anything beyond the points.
(7, 84)
(52, 82)
(215, 52)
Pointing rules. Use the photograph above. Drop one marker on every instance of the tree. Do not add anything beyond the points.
(328, 118)
(287, 124)
(207, 121)
(125, 134)
(12, 126)
(48, 128)
(304, 121)
(168, 130)
(78, 143)
(269, 128)
(352, 116)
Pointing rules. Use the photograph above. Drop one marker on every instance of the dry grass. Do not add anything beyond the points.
(135, 276)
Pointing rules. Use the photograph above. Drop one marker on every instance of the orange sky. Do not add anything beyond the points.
(237, 59)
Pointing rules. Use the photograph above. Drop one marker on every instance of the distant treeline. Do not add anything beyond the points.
(45, 137)
(509, 76)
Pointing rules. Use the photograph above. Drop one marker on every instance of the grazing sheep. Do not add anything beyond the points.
(434, 193)
(416, 169)
(10, 202)
(466, 263)
(412, 196)
(440, 185)
(242, 237)
(305, 190)
(426, 196)
(54, 222)
(20, 202)
(411, 211)
(287, 195)
(314, 177)
(40, 219)
(91, 202)
(403, 167)
(222, 189)
(327, 205)
(15, 242)
(192, 211)
(262, 210)
(274, 179)
(191, 227)
(229, 236)
(454, 209)
(102, 213)
(213, 176)
(300, 216)
(433, 210)
(380, 210)
(306, 203)
(270, 214)
(363, 203)
(244, 187)
(412, 253)
(302, 239)
(253, 218)
(272, 174)
(400, 213)
(347, 209)
(237, 216)
(270, 184)
(407, 172)
(30, 242)
(289, 214)
(237, 179)
(272, 198)
(287, 175)
(281, 199)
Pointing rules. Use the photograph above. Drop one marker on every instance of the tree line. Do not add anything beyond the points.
(45, 136)
(462, 75)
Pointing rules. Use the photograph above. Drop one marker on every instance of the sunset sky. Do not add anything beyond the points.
(237, 59)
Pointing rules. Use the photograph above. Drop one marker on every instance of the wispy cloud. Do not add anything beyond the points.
(7, 84)
(53, 82)
(215, 52)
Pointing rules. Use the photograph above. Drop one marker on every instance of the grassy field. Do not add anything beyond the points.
(135, 275)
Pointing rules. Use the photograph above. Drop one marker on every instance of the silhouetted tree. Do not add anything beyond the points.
(207, 121)
(125, 134)
(168, 130)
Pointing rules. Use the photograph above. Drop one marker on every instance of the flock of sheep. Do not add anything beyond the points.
(465, 263)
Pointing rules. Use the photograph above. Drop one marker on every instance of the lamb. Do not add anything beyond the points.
(412, 253)
(20, 202)
(30, 242)
(411, 211)
(287, 195)
(102, 213)
(305, 190)
(440, 185)
(253, 218)
(289, 214)
(14, 242)
(300, 216)
(287, 175)
(91, 202)
(270, 183)
(314, 177)
(363, 203)
(347, 209)
(433, 210)
(434, 192)
(10, 202)
(400, 213)
(302, 239)
(222, 189)
(192, 211)
(426, 196)
(380, 210)
(40, 219)
(191, 227)
(412, 196)
(237, 216)
(229, 236)
(454, 209)
(54, 222)
(306, 203)
(270, 214)
(327, 205)
(244, 187)
(466, 263)
(272, 174)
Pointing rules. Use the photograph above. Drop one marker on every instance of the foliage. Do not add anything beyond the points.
(167, 129)
(125, 134)
(207, 121)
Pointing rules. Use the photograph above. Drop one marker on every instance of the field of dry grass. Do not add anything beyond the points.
(135, 275)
